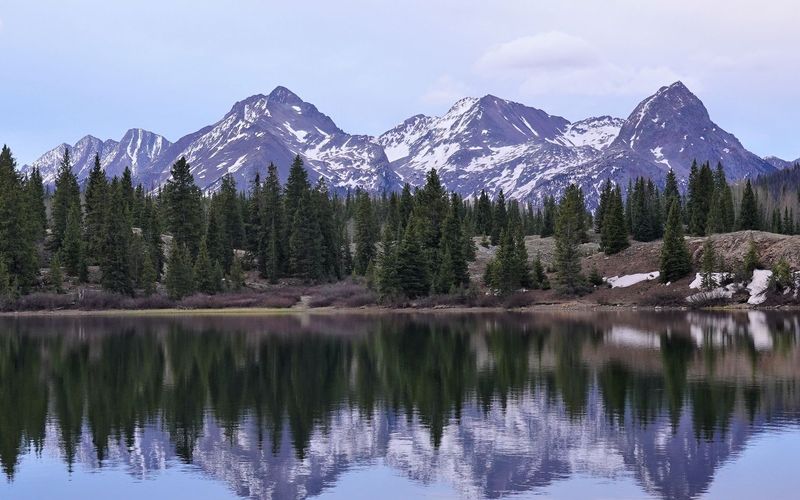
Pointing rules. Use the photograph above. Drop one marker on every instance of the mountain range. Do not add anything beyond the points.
(480, 143)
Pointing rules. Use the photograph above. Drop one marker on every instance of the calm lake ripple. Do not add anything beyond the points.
(572, 405)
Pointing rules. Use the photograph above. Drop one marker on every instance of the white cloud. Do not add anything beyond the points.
(560, 63)
(552, 50)
(446, 90)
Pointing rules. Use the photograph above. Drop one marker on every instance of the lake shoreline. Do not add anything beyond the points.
(574, 306)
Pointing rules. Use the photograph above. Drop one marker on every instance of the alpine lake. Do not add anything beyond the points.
(401, 405)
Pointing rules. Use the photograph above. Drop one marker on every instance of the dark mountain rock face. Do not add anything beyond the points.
(486, 143)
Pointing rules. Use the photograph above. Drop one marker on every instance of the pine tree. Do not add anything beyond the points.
(304, 244)
(499, 217)
(116, 261)
(72, 247)
(671, 193)
(751, 260)
(236, 275)
(232, 222)
(297, 186)
(725, 200)
(675, 261)
(56, 274)
(602, 206)
(66, 195)
(6, 291)
(548, 217)
(709, 261)
(184, 207)
(179, 279)
(538, 275)
(207, 279)
(483, 214)
(614, 237)
(452, 246)
(35, 194)
(149, 277)
(365, 233)
(412, 267)
(17, 232)
(97, 208)
(387, 279)
(254, 211)
(569, 229)
(701, 191)
(748, 212)
(270, 250)
(521, 266)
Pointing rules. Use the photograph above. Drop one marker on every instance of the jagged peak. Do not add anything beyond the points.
(283, 95)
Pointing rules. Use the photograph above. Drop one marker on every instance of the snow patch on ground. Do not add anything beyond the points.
(630, 279)
(718, 278)
(758, 286)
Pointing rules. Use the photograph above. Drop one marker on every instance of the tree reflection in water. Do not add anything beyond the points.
(281, 406)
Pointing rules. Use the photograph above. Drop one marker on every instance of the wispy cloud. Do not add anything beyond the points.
(561, 63)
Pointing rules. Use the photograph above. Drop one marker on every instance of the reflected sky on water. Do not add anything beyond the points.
(661, 405)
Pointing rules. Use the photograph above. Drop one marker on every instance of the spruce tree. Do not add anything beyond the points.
(675, 261)
(412, 267)
(56, 274)
(538, 274)
(483, 214)
(206, 278)
(72, 247)
(569, 229)
(35, 194)
(97, 210)
(66, 195)
(179, 279)
(452, 244)
(270, 249)
(184, 207)
(365, 233)
(149, 277)
(548, 217)
(707, 265)
(671, 193)
(236, 275)
(233, 225)
(602, 207)
(748, 211)
(297, 186)
(116, 259)
(304, 244)
(499, 218)
(614, 237)
(6, 290)
(751, 260)
(17, 229)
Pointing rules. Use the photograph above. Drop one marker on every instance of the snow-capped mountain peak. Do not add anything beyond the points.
(479, 143)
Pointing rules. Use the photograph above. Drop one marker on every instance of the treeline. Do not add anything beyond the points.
(408, 244)
(132, 241)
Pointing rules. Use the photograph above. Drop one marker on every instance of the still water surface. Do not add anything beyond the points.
(586, 405)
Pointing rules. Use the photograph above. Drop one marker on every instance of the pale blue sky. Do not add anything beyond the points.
(75, 67)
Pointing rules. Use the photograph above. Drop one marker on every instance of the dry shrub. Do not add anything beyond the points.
(663, 299)
(516, 300)
(42, 302)
(361, 299)
(343, 294)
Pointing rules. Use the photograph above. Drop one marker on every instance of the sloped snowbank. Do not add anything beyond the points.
(718, 278)
(758, 286)
(630, 279)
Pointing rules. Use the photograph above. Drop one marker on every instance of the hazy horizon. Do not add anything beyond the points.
(92, 68)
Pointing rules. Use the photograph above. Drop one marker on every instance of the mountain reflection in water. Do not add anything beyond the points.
(490, 404)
